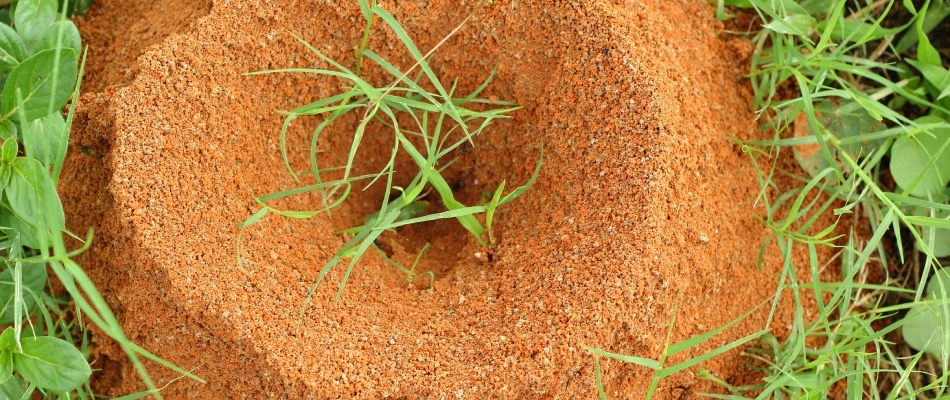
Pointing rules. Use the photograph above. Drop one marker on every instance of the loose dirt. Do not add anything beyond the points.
(642, 201)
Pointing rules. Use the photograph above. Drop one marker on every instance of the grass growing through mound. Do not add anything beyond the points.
(427, 120)
(39, 73)
(868, 122)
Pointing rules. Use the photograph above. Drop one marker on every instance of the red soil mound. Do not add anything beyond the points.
(641, 198)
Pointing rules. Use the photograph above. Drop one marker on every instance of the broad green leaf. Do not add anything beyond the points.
(7, 340)
(12, 50)
(9, 150)
(45, 137)
(44, 85)
(6, 365)
(7, 130)
(31, 18)
(32, 195)
(51, 363)
(5, 172)
(925, 325)
(34, 278)
(941, 241)
(14, 227)
(11, 388)
(849, 120)
(911, 157)
(795, 24)
(939, 285)
(60, 34)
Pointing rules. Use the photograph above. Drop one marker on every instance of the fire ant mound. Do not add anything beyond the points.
(641, 201)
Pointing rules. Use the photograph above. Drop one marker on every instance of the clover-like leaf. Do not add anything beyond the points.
(51, 363)
(911, 158)
(44, 81)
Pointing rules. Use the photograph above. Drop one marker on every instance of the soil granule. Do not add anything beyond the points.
(642, 201)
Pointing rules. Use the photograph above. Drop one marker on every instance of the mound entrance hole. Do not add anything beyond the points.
(439, 246)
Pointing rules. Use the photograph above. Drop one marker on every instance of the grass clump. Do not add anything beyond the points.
(427, 120)
(867, 119)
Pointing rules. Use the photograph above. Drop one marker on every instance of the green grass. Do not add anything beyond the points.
(44, 344)
(875, 101)
(428, 121)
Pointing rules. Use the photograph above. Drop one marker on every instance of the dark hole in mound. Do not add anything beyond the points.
(444, 244)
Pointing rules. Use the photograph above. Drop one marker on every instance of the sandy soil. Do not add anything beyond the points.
(642, 198)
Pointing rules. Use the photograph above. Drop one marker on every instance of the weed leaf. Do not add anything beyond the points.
(44, 138)
(34, 279)
(59, 35)
(798, 24)
(9, 149)
(8, 340)
(12, 50)
(51, 363)
(45, 81)
(31, 18)
(921, 164)
(6, 365)
(12, 389)
(32, 195)
(8, 131)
